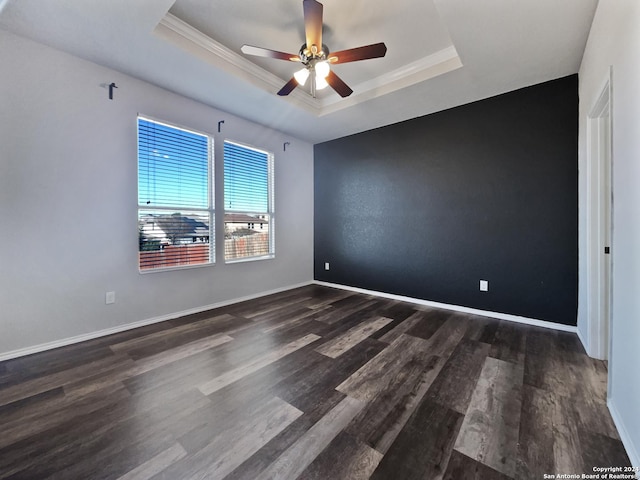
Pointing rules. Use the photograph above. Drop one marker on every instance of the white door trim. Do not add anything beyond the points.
(599, 185)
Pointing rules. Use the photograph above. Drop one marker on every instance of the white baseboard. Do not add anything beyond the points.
(142, 323)
(584, 342)
(457, 308)
(632, 452)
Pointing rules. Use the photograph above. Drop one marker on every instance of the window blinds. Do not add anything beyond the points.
(173, 166)
(246, 179)
(175, 212)
(248, 202)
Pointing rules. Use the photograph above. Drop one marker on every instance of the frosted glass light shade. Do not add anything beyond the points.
(322, 69)
(301, 76)
(321, 82)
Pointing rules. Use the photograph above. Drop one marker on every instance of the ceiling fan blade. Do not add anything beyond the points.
(265, 52)
(288, 88)
(338, 85)
(375, 50)
(313, 24)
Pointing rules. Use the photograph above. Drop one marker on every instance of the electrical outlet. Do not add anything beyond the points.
(326, 265)
(484, 285)
(110, 297)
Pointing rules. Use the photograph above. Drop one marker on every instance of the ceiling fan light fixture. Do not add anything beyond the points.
(322, 69)
(301, 76)
(321, 82)
(315, 55)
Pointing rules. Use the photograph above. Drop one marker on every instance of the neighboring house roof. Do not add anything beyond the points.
(173, 226)
(242, 218)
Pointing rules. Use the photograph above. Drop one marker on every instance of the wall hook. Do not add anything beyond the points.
(220, 125)
(112, 85)
(284, 147)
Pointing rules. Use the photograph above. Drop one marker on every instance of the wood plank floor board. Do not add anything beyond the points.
(277, 310)
(156, 464)
(57, 412)
(233, 401)
(256, 364)
(379, 424)
(219, 418)
(567, 445)
(399, 329)
(86, 446)
(348, 320)
(323, 297)
(251, 307)
(340, 313)
(101, 457)
(144, 365)
(186, 338)
(482, 329)
(593, 416)
(44, 383)
(559, 369)
(168, 335)
(345, 457)
(444, 340)
(331, 330)
(372, 378)
(568, 342)
(307, 387)
(456, 382)
(49, 436)
(202, 367)
(424, 445)
(304, 315)
(397, 310)
(509, 342)
(490, 429)
(342, 343)
(536, 437)
(228, 450)
(263, 458)
(429, 323)
(276, 379)
(47, 363)
(540, 355)
(425, 393)
(291, 463)
(462, 467)
(600, 450)
(35, 403)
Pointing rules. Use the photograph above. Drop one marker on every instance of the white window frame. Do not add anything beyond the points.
(270, 213)
(210, 211)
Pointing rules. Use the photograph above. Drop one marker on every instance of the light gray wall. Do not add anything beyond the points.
(68, 199)
(615, 40)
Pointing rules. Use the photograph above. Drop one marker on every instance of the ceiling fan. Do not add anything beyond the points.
(315, 56)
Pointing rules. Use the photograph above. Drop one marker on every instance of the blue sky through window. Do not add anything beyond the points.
(173, 166)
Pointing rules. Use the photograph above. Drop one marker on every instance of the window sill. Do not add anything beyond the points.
(250, 259)
(171, 269)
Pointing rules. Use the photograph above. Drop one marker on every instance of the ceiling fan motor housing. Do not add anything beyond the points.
(306, 55)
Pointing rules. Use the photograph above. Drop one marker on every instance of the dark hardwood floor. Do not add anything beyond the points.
(313, 383)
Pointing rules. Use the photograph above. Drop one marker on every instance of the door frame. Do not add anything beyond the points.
(599, 220)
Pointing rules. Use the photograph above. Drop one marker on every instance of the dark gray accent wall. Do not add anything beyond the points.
(428, 207)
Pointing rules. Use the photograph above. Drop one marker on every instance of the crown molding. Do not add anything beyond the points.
(182, 34)
(438, 63)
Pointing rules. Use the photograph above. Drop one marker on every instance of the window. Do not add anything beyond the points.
(175, 207)
(248, 203)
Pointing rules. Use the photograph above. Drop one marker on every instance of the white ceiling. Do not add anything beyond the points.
(441, 53)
